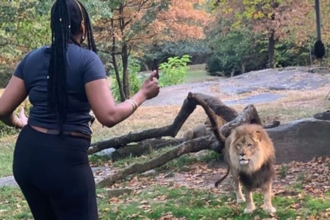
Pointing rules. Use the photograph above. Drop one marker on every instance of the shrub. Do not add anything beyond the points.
(174, 70)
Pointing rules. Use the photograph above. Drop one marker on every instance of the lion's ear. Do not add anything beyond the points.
(256, 135)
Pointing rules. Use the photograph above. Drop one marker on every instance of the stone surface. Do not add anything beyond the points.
(267, 79)
(7, 181)
(301, 140)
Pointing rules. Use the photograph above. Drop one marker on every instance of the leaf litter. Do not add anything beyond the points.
(294, 180)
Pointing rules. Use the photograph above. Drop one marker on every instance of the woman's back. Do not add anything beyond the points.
(83, 66)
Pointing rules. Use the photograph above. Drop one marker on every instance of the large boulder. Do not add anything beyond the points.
(301, 140)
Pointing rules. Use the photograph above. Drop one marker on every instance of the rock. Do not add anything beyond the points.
(118, 192)
(8, 181)
(323, 115)
(301, 140)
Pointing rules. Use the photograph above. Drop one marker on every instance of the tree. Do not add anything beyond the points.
(23, 26)
(274, 19)
(135, 23)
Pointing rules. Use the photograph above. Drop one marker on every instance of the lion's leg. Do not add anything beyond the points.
(250, 206)
(268, 207)
(238, 190)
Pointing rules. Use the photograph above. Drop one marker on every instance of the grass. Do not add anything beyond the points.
(179, 202)
(6, 159)
(197, 73)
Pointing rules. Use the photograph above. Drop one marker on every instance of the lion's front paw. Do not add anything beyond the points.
(269, 209)
(240, 200)
(249, 210)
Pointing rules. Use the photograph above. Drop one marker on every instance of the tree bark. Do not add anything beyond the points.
(144, 147)
(195, 145)
(166, 131)
(187, 108)
(124, 52)
(115, 65)
(124, 56)
(212, 142)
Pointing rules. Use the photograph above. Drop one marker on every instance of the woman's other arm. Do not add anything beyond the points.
(13, 96)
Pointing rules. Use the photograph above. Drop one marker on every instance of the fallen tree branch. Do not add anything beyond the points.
(210, 113)
(189, 105)
(248, 116)
(195, 145)
(170, 130)
(144, 147)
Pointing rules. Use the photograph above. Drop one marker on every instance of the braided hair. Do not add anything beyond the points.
(66, 19)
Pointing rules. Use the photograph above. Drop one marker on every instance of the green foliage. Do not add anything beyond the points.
(171, 73)
(6, 130)
(174, 70)
(135, 78)
(5, 75)
(287, 53)
(198, 51)
(236, 52)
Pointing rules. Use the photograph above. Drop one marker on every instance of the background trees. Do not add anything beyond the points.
(231, 37)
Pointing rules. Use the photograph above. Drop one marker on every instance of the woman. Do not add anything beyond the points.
(64, 82)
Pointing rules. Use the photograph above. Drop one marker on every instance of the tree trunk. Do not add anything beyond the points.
(243, 67)
(124, 56)
(124, 51)
(144, 147)
(115, 66)
(271, 49)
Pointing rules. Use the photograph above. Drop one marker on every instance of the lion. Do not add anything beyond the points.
(250, 154)
(203, 130)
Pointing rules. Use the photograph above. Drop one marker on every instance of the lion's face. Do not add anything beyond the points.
(245, 148)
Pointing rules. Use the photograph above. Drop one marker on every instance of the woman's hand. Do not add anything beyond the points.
(22, 119)
(150, 87)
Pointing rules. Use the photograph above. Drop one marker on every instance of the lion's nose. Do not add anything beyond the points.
(242, 154)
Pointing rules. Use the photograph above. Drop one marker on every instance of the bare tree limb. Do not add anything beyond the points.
(144, 147)
(189, 105)
(249, 115)
(170, 130)
(195, 145)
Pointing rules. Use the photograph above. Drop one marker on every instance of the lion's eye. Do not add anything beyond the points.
(249, 145)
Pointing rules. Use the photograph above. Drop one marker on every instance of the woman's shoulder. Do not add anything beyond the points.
(84, 53)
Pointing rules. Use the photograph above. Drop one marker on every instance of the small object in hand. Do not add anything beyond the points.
(155, 67)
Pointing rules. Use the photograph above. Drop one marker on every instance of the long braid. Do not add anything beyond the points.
(63, 28)
(57, 89)
(90, 37)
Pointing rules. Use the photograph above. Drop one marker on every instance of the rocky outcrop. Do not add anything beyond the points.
(301, 140)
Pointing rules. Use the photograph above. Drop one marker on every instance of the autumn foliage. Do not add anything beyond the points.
(136, 23)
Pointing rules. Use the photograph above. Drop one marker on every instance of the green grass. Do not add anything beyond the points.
(197, 75)
(155, 202)
(6, 159)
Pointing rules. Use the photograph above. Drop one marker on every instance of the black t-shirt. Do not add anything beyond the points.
(83, 66)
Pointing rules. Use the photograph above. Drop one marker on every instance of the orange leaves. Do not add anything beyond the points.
(144, 22)
(183, 21)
